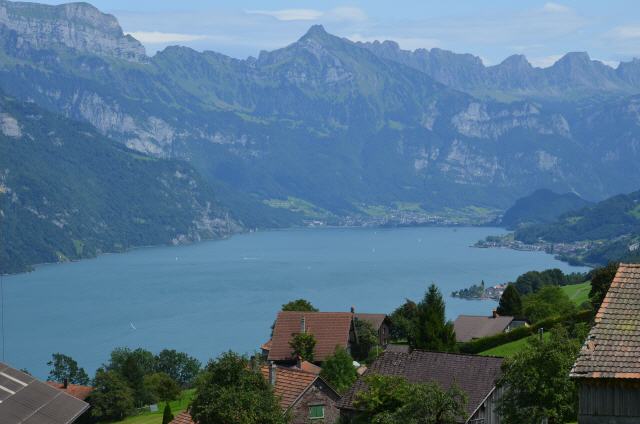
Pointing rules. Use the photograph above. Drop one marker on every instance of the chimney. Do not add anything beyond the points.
(303, 325)
(65, 383)
(353, 309)
(272, 374)
(495, 313)
(299, 362)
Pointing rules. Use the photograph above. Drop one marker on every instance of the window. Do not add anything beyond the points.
(316, 412)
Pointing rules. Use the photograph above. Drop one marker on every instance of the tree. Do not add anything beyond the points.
(230, 392)
(432, 330)
(161, 387)
(393, 400)
(547, 302)
(510, 302)
(301, 305)
(403, 320)
(537, 384)
(178, 365)
(66, 368)
(338, 370)
(367, 338)
(132, 366)
(302, 345)
(601, 279)
(167, 416)
(111, 398)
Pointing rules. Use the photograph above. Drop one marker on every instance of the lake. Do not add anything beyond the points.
(214, 296)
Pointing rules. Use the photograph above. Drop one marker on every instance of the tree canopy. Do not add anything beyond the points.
(537, 384)
(510, 302)
(338, 370)
(301, 305)
(393, 400)
(302, 346)
(111, 398)
(178, 365)
(64, 367)
(601, 279)
(367, 339)
(230, 392)
(161, 387)
(547, 302)
(432, 331)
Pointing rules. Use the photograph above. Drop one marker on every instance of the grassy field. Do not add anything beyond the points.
(507, 350)
(579, 293)
(156, 417)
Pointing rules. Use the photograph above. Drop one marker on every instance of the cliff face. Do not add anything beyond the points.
(79, 26)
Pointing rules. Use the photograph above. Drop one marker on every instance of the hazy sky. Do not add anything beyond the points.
(492, 29)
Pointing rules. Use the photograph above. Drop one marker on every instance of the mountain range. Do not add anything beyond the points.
(326, 129)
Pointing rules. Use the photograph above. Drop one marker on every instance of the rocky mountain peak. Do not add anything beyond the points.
(516, 62)
(79, 26)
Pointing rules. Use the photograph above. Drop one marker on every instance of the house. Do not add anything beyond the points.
(304, 395)
(608, 367)
(469, 327)
(26, 400)
(75, 390)
(475, 375)
(330, 329)
(379, 322)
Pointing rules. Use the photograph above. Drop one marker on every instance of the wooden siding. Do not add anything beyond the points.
(487, 413)
(609, 402)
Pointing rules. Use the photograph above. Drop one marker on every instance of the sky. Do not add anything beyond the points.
(609, 30)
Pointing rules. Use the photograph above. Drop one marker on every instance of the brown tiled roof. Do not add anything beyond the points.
(375, 320)
(475, 375)
(309, 367)
(182, 418)
(290, 383)
(78, 392)
(330, 329)
(469, 327)
(266, 346)
(612, 349)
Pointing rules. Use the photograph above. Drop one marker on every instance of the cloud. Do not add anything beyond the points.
(290, 14)
(155, 37)
(555, 8)
(625, 32)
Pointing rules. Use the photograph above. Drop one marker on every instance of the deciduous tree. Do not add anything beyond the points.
(301, 305)
(338, 370)
(64, 367)
(302, 345)
(230, 392)
(111, 398)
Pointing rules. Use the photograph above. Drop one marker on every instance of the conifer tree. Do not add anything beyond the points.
(510, 302)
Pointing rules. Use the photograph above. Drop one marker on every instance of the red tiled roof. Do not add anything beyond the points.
(309, 367)
(77, 391)
(330, 329)
(475, 375)
(469, 327)
(612, 349)
(266, 346)
(290, 383)
(375, 320)
(182, 418)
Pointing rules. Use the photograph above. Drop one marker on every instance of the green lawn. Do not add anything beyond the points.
(579, 293)
(507, 350)
(156, 417)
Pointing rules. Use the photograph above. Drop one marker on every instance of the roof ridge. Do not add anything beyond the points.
(450, 353)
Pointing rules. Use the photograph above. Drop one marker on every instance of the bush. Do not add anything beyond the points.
(486, 343)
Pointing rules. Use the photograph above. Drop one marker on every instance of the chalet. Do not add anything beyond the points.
(26, 400)
(608, 367)
(330, 329)
(469, 327)
(475, 375)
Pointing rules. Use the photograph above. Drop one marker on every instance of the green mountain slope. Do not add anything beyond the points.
(610, 230)
(541, 206)
(67, 192)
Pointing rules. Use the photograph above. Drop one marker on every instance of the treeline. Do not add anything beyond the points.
(130, 380)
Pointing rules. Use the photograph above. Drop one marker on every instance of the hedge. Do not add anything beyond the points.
(486, 343)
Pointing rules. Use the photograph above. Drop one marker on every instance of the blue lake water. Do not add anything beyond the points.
(214, 296)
